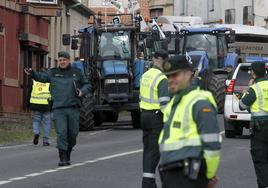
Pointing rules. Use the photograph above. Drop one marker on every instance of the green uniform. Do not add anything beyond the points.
(255, 100)
(154, 97)
(65, 101)
(191, 133)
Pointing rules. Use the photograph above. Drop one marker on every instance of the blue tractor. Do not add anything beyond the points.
(208, 49)
(108, 59)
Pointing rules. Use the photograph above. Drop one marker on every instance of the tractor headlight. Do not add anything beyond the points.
(109, 81)
(122, 81)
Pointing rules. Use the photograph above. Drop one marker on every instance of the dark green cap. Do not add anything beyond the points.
(258, 68)
(64, 54)
(177, 63)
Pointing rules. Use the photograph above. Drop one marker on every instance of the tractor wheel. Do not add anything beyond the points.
(136, 119)
(86, 114)
(217, 87)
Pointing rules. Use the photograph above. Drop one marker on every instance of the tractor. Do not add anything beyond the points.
(207, 46)
(108, 58)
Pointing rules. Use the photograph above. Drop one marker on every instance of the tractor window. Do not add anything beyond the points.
(222, 50)
(115, 44)
(203, 42)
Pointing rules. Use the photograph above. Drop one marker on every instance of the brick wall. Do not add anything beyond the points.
(144, 4)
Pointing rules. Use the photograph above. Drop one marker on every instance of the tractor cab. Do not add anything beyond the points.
(212, 41)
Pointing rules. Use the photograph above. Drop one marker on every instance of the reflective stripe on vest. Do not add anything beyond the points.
(181, 132)
(148, 90)
(40, 93)
(260, 106)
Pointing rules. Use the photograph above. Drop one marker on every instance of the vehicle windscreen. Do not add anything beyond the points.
(115, 44)
(203, 42)
(243, 76)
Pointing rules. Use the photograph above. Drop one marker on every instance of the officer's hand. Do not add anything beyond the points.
(28, 71)
(213, 182)
(251, 81)
(238, 95)
(79, 93)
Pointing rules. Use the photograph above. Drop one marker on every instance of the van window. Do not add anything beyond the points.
(243, 76)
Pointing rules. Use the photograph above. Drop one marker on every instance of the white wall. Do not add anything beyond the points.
(261, 12)
(202, 8)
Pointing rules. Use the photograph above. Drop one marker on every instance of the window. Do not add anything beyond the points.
(154, 13)
(247, 15)
(230, 16)
(211, 5)
(43, 1)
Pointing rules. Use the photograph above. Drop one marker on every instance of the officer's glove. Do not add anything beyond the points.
(28, 71)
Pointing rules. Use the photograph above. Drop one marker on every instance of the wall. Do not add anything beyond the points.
(204, 10)
(66, 24)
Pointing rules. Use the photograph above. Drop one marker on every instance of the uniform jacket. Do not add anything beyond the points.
(62, 85)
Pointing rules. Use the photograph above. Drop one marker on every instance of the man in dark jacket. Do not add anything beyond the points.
(67, 85)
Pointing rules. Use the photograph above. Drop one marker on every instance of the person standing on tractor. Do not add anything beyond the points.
(154, 97)
(67, 86)
(190, 141)
(39, 104)
(256, 101)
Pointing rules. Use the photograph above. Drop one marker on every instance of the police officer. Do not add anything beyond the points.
(256, 101)
(153, 98)
(190, 141)
(65, 91)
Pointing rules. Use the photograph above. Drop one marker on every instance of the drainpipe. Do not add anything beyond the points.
(253, 13)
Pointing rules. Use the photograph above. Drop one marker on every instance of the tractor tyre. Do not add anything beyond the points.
(136, 119)
(86, 114)
(217, 87)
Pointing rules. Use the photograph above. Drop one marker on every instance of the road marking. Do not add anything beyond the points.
(25, 145)
(71, 166)
(15, 146)
(99, 132)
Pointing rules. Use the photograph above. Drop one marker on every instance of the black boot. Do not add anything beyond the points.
(63, 158)
(69, 151)
(36, 139)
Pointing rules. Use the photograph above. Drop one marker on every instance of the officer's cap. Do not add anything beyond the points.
(258, 68)
(176, 64)
(64, 54)
(161, 53)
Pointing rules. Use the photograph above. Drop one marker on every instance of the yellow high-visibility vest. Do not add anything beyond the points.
(260, 106)
(148, 89)
(180, 138)
(40, 93)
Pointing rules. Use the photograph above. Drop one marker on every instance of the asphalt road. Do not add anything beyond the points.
(109, 157)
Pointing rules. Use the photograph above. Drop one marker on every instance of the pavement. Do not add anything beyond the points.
(108, 157)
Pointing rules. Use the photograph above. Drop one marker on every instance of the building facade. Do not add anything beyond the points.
(31, 36)
(23, 43)
(99, 6)
(161, 7)
(249, 12)
(75, 15)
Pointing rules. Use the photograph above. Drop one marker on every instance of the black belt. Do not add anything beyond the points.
(172, 166)
(151, 111)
